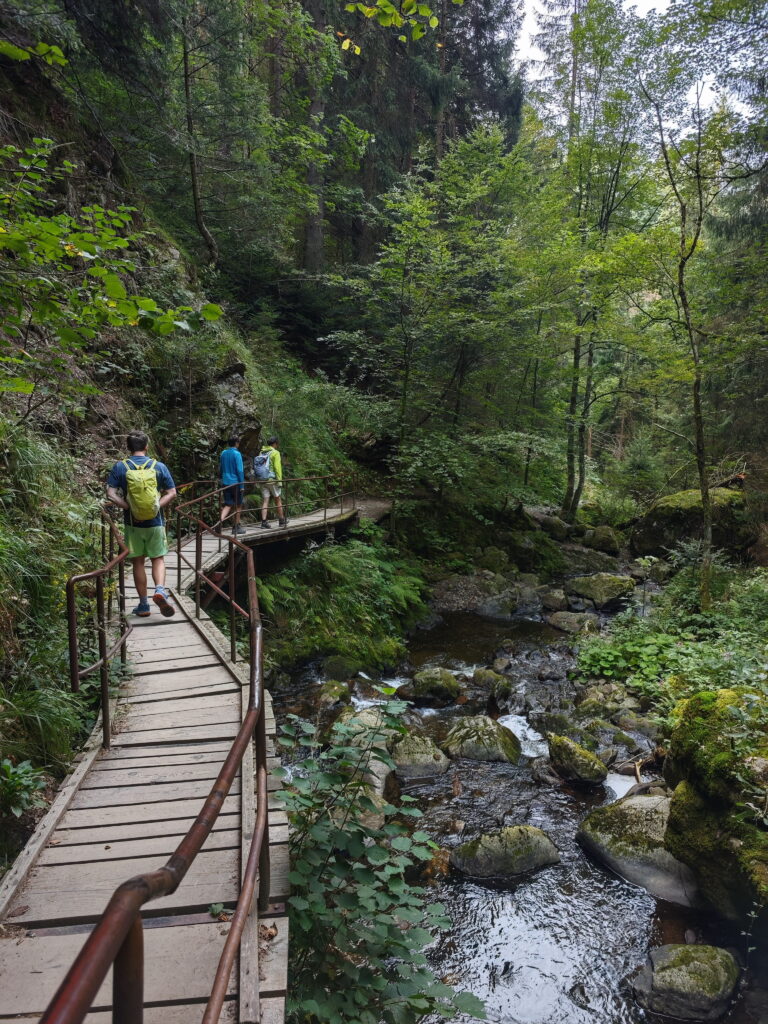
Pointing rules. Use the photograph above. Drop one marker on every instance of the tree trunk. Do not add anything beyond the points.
(194, 170)
(583, 434)
(314, 236)
(570, 451)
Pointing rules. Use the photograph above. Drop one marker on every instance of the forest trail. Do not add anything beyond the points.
(176, 718)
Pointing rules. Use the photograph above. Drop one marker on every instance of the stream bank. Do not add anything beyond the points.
(558, 945)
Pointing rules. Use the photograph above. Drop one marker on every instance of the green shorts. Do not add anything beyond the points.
(146, 541)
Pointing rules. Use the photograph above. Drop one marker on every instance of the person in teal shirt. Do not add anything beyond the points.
(232, 479)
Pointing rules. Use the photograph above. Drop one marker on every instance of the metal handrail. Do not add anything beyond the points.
(118, 553)
(118, 937)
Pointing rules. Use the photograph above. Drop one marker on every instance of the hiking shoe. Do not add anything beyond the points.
(283, 522)
(162, 602)
(239, 529)
(142, 609)
(265, 525)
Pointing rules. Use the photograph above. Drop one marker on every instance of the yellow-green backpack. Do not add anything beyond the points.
(143, 496)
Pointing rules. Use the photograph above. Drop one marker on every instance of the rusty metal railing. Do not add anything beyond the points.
(114, 552)
(118, 939)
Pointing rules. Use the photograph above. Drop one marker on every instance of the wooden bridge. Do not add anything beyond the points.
(137, 795)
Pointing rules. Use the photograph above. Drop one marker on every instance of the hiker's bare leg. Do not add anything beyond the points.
(265, 509)
(140, 577)
(225, 510)
(279, 504)
(158, 573)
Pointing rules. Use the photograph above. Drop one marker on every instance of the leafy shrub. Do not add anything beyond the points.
(353, 599)
(19, 787)
(358, 928)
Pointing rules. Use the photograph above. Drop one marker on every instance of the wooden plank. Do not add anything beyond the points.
(160, 847)
(174, 708)
(189, 1013)
(214, 757)
(117, 796)
(152, 774)
(279, 866)
(149, 697)
(88, 817)
(272, 1012)
(69, 893)
(169, 662)
(273, 965)
(184, 638)
(111, 834)
(137, 720)
(117, 753)
(179, 963)
(224, 730)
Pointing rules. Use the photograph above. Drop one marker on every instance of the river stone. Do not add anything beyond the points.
(334, 692)
(574, 622)
(555, 527)
(362, 725)
(687, 982)
(416, 756)
(511, 851)
(494, 684)
(604, 538)
(479, 738)
(603, 587)
(554, 600)
(574, 763)
(628, 836)
(579, 560)
(432, 687)
(336, 666)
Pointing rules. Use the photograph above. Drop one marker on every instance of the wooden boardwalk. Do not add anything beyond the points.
(122, 812)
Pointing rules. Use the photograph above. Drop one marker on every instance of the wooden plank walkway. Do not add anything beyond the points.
(125, 813)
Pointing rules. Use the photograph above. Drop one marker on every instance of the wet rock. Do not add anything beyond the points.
(680, 515)
(501, 664)
(574, 622)
(367, 728)
(479, 738)
(511, 851)
(417, 756)
(492, 683)
(574, 763)
(334, 692)
(339, 667)
(493, 558)
(602, 588)
(604, 538)
(467, 593)
(431, 688)
(629, 836)
(687, 982)
(555, 527)
(579, 560)
(554, 600)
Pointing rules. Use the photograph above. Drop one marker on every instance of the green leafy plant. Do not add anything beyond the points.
(19, 787)
(358, 927)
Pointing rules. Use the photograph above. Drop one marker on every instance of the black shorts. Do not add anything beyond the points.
(233, 495)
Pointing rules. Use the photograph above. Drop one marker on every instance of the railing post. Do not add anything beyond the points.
(121, 606)
(104, 667)
(111, 556)
(178, 552)
(74, 672)
(128, 978)
(261, 763)
(232, 614)
(325, 500)
(198, 566)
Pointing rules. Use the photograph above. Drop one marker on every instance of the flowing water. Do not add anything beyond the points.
(557, 946)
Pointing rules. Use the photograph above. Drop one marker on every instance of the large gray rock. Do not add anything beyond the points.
(574, 622)
(511, 851)
(628, 836)
(417, 756)
(603, 588)
(687, 982)
(574, 763)
(367, 727)
(479, 738)
(554, 600)
(604, 538)
(432, 687)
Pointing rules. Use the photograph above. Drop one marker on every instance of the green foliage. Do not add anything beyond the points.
(62, 283)
(19, 787)
(353, 599)
(358, 927)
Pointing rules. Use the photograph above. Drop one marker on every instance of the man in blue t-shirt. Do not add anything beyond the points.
(232, 478)
(145, 538)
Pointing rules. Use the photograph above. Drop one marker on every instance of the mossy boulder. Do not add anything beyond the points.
(493, 558)
(603, 538)
(334, 692)
(511, 851)
(537, 552)
(687, 982)
(337, 666)
(432, 687)
(554, 599)
(679, 516)
(579, 560)
(728, 855)
(628, 836)
(574, 622)
(479, 738)
(574, 763)
(555, 527)
(417, 756)
(493, 683)
(367, 727)
(602, 588)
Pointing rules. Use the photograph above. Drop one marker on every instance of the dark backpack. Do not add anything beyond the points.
(261, 469)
